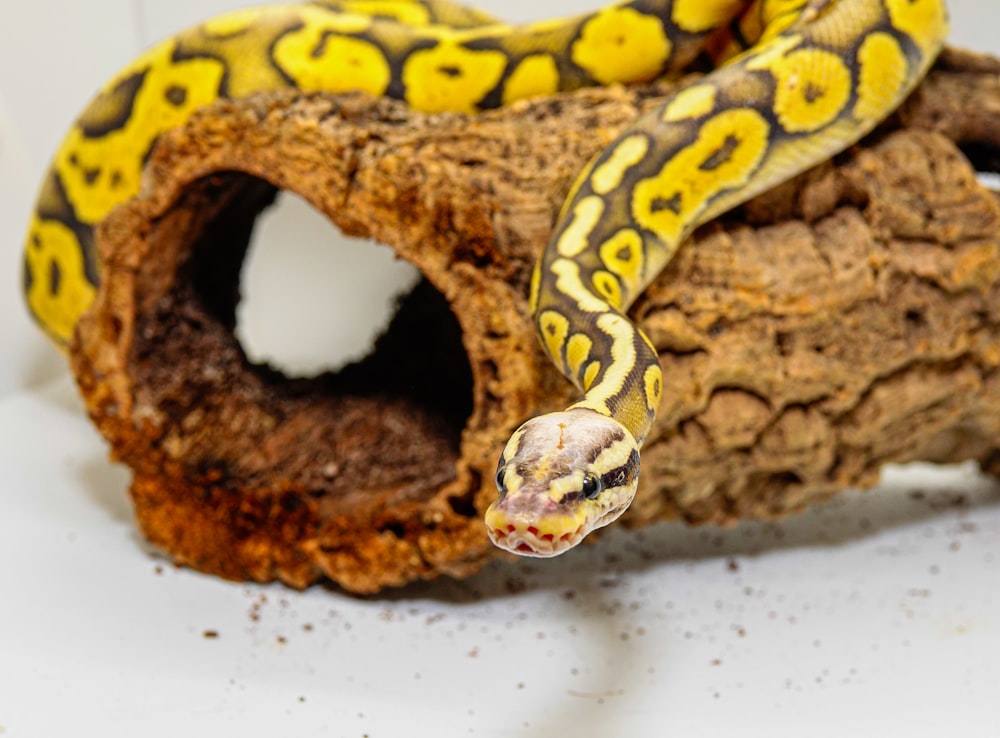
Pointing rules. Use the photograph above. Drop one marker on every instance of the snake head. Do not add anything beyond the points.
(561, 476)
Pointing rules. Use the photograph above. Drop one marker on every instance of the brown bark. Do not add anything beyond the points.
(845, 320)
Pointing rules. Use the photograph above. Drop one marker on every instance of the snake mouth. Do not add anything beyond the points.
(529, 541)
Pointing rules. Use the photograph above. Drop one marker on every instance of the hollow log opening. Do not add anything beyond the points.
(313, 300)
(392, 419)
(246, 472)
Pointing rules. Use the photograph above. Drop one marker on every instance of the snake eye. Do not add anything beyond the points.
(591, 486)
(500, 474)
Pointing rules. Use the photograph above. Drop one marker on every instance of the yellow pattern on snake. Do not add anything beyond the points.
(798, 81)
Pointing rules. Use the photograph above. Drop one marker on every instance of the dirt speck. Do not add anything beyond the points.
(515, 585)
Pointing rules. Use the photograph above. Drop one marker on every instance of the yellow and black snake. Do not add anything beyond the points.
(798, 81)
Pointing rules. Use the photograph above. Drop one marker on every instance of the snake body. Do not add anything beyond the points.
(798, 81)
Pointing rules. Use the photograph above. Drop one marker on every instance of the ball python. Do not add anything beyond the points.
(795, 82)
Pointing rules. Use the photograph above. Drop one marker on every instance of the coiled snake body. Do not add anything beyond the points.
(799, 80)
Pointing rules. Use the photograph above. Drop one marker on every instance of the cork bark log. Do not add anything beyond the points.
(848, 319)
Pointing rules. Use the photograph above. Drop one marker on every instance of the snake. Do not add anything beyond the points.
(791, 84)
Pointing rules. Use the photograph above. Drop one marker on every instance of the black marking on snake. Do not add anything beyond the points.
(672, 203)
(176, 95)
(85, 237)
(450, 70)
(27, 276)
(112, 109)
(485, 43)
(180, 55)
(55, 277)
(608, 282)
(494, 98)
(582, 78)
(520, 46)
(617, 477)
(722, 154)
(386, 17)
(570, 497)
(292, 28)
(653, 8)
(610, 437)
(54, 205)
(272, 45)
(396, 89)
(813, 92)
(189, 47)
(319, 49)
(737, 35)
(911, 50)
(686, 51)
(89, 175)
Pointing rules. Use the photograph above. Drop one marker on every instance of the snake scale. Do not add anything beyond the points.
(795, 82)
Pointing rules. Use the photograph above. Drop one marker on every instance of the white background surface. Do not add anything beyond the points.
(876, 615)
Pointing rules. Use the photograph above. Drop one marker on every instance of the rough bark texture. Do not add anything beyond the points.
(848, 319)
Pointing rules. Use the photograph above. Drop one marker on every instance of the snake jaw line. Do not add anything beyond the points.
(529, 541)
